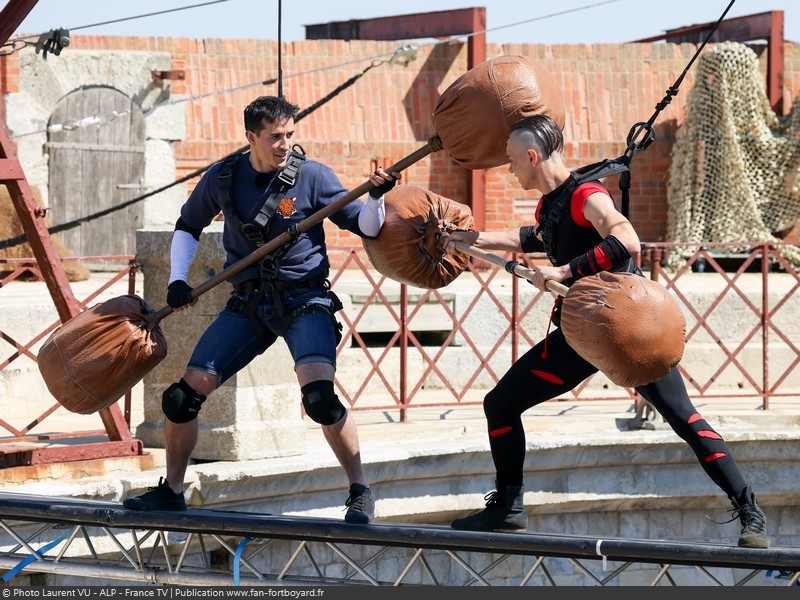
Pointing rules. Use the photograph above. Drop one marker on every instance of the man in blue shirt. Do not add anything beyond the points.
(285, 295)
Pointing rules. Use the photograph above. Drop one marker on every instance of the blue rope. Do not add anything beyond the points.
(29, 559)
(238, 557)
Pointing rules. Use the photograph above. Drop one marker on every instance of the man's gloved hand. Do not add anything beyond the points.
(383, 188)
(179, 294)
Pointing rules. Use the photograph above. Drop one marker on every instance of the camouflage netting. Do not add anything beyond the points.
(735, 163)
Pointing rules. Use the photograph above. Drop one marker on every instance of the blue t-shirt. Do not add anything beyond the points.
(316, 187)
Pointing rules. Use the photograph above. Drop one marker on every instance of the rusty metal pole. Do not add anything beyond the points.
(32, 220)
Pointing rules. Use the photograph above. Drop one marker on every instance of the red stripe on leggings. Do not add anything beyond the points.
(548, 376)
(715, 456)
(693, 418)
(707, 433)
(499, 431)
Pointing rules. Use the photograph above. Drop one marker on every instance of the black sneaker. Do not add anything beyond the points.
(754, 522)
(360, 505)
(497, 516)
(160, 497)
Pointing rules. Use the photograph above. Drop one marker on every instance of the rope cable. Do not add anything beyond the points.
(21, 239)
(96, 119)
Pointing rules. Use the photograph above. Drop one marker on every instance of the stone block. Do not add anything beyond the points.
(255, 414)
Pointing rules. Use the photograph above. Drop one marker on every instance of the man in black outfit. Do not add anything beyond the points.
(588, 235)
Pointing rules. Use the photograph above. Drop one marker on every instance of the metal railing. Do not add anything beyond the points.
(744, 323)
(758, 288)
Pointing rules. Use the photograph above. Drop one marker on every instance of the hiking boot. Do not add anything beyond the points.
(505, 511)
(160, 497)
(754, 522)
(360, 505)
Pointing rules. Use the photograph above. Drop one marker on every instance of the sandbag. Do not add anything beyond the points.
(93, 359)
(628, 326)
(493, 96)
(407, 250)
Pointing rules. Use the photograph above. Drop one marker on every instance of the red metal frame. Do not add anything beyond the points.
(33, 223)
(769, 323)
(762, 26)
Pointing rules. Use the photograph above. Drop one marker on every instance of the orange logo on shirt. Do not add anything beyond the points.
(286, 207)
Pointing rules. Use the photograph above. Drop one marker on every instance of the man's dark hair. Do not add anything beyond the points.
(268, 108)
(544, 132)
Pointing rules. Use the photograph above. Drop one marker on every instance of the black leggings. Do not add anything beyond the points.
(552, 368)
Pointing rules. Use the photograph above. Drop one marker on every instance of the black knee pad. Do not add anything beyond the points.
(321, 402)
(180, 403)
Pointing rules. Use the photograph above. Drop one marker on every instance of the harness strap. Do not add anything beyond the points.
(548, 226)
(611, 167)
(249, 307)
(314, 307)
(287, 177)
(255, 290)
(225, 177)
(282, 285)
(556, 307)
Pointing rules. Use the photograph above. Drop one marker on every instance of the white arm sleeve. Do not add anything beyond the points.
(181, 253)
(372, 216)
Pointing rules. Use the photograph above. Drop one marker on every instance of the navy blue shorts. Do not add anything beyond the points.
(232, 341)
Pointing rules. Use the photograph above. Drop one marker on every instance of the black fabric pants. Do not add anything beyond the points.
(552, 368)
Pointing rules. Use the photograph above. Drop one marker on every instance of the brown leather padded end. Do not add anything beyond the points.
(475, 113)
(93, 359)
(407, 249)
(628, 326)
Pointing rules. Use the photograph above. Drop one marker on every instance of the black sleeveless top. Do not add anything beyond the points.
(564, 231)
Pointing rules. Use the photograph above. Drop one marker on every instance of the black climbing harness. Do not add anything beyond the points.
(248, 295)
(281, 182)
(548, 225)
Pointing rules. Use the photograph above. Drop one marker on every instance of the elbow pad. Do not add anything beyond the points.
(528, 240)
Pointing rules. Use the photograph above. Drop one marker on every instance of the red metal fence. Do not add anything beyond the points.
(742, 335)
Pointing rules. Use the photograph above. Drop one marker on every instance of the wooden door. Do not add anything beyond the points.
(96, 165)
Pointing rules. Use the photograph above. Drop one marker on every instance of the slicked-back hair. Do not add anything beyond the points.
(541, 131)
(268, 108)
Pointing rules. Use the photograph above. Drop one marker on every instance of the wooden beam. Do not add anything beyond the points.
(439, 24)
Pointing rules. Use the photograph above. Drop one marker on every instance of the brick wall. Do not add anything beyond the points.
(387, 113)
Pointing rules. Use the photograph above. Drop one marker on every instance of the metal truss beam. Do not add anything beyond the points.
(102, 540)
